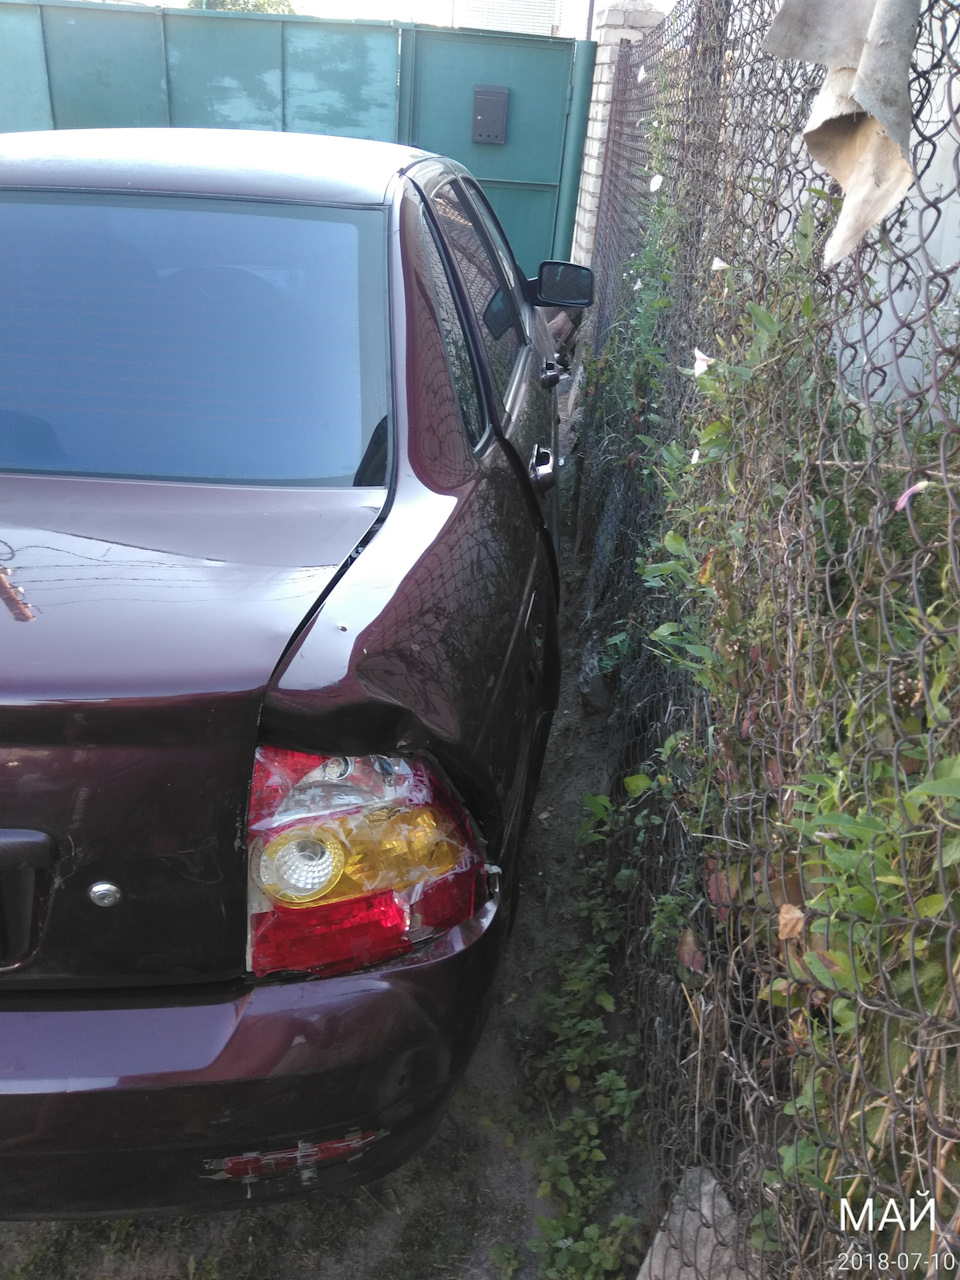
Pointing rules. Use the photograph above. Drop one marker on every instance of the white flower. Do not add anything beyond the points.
(908, 493)
(701, 362)
(637, 285)
(656, 182)
(718, 264)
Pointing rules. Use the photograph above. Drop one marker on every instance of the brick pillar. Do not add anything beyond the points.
(629, 22)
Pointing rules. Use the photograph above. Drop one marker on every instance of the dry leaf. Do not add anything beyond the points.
(790, 922)
(688, 953)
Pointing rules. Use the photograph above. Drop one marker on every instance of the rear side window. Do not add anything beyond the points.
(503, 251)
(492, 304)
(459, 362)
(191, 339)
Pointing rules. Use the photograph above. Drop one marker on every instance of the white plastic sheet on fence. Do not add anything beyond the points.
(859, 125)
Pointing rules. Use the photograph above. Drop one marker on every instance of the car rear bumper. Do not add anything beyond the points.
(216, 1103)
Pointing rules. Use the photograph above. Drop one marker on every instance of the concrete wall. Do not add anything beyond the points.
(611, 25)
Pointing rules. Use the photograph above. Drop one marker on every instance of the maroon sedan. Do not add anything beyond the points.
(278, 447)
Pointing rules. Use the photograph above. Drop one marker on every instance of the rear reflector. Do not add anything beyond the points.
(305, 1157)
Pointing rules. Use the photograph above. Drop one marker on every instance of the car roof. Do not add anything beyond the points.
(257, 164)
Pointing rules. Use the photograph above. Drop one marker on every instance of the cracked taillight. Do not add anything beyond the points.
(352, 860)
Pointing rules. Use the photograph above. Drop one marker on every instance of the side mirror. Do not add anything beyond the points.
(563, 284)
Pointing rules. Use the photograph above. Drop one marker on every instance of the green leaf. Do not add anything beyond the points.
(832, 969)
(636, 784)
(844, 1014)
(940, 787)
(660, 568)
(862, 825)
(817, 1182)
(719, 428)
(932, 905)
(664, 631)
(803, 234)
(763, 319)
(700, 651)
(606, 1001)
(951, 852)
(777, 992)
(949, 768)
(600, 806)
(675, 544)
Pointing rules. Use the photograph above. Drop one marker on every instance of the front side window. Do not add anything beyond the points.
(491, 302)
(192, 339)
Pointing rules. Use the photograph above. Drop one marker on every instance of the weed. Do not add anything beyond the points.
(615, 650)
(800, 599)
(506, 1259)
(581, 1068)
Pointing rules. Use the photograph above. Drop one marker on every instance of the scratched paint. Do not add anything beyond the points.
(342, 82)
(225, 73)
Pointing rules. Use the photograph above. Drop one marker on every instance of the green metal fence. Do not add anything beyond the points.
(66, 65)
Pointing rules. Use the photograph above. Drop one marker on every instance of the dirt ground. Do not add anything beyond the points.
(466, 1206)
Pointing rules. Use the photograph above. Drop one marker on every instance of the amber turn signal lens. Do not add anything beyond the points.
(419, 844)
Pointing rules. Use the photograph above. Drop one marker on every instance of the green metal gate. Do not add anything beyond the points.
(68, 65)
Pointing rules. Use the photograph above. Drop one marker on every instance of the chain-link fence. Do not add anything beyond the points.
(774, 584)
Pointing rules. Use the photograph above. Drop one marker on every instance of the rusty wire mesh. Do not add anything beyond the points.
(774, 584)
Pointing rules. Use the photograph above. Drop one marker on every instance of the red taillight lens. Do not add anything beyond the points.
(344, 934)
(352, 861)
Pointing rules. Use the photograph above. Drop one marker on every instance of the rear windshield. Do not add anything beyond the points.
(191, 339)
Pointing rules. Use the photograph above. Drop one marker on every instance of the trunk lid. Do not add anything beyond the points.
(141, 622)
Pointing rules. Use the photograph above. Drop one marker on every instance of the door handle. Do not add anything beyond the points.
(550, 373)
(543, 468)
